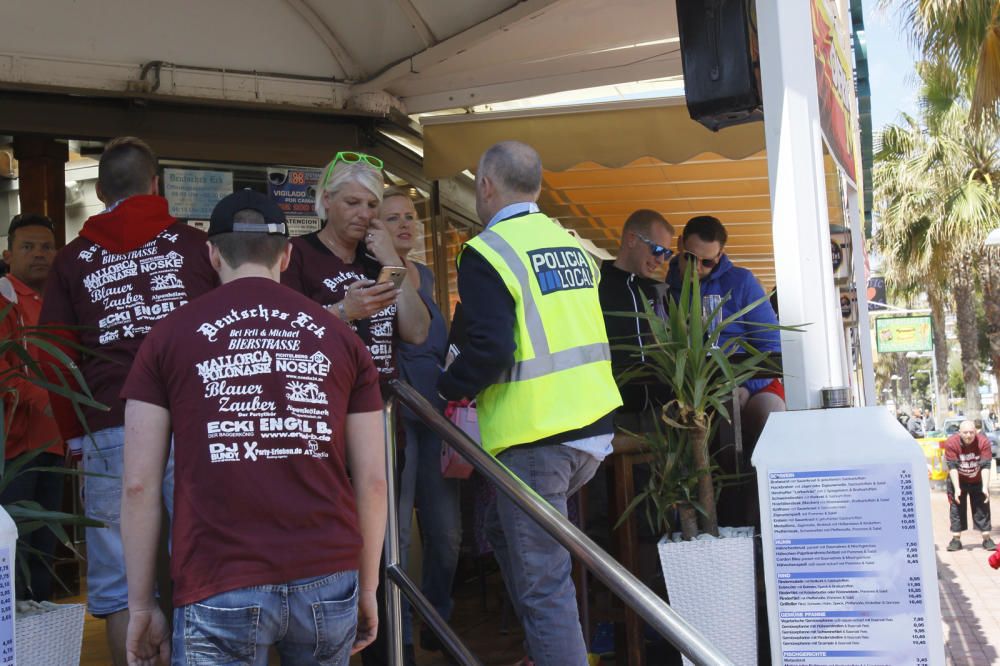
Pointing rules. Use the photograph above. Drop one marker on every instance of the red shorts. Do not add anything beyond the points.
(775, 387)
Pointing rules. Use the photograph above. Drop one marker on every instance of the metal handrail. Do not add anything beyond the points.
(395, 574)
(393, 603)
(617, 578)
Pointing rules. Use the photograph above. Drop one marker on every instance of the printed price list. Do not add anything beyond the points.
(7, 656)
(848, 566)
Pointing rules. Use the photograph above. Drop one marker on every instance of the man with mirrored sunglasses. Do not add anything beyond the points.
(628, 283)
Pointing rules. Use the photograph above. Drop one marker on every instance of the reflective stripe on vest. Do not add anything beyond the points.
(544, 362)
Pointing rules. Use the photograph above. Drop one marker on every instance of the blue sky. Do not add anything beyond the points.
(890, 66)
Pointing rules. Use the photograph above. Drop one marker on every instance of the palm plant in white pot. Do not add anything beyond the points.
(710, 580)
(44, 633)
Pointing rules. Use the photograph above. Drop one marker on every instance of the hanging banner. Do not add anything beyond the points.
(835, 87)
(294, 190)
(876, 293)
(193, 193)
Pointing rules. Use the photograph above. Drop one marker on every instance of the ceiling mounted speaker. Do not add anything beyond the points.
(721, 61)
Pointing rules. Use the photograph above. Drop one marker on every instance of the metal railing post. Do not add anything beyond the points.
(393, 601)
(453, 644)
(619, 580)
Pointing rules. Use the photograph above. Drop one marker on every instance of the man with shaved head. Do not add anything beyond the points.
(629, 284)
(968, 456)
(132, 264)
(538, 363)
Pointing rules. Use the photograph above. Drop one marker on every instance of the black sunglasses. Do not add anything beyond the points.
(657, 249)
(707, 263)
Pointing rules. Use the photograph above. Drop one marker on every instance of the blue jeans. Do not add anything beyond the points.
(535, 568)
(436, 499)
(107, 592)
(309, 621)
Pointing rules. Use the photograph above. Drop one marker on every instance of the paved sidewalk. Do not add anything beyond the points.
(970, 589)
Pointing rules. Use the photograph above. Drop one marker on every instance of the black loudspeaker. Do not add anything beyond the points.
(721, 63)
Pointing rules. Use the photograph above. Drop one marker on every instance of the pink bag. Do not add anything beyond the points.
(463, 415)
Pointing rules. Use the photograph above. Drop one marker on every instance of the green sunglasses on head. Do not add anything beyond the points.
(349, 156)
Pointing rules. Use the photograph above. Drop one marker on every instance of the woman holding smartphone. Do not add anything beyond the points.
(435, 497)
(339, 265)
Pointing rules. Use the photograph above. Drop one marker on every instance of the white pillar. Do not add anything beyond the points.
(803, 263)
(856, 224)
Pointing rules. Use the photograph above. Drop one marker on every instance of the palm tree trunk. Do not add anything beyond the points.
(936, 299)
(968, 337)
(708, 520)
(989, 272)
(689, 522)
(905, 388)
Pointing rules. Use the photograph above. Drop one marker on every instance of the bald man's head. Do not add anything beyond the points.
(509, 172)
(967, 431)
(514, 167)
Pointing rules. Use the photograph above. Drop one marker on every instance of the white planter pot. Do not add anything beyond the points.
(53, 636)
(710, 582)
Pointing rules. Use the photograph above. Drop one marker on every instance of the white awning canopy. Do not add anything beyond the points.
(610, 135)
(372, 56)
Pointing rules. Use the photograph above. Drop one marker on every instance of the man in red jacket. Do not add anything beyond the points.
(967, 455)
(31, 247)
(131, 266)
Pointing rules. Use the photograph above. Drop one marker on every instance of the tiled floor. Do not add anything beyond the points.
(970, 590)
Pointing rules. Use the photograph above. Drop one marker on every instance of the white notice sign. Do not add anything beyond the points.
(848, 546)
(193, 193)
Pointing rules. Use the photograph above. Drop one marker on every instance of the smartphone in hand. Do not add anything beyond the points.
(394, 274)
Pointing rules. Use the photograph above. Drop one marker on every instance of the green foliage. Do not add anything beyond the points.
(29, 516)
(701, 373)
(956, 383)
(937, 196)
(965, 36)
(673, 482)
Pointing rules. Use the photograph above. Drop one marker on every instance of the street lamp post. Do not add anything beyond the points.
(936, 403)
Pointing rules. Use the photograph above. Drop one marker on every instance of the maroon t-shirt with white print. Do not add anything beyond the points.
(322, 276)
(259, 381)
(112, 299)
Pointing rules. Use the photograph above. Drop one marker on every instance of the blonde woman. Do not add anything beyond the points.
(337, 266)
(435, 497)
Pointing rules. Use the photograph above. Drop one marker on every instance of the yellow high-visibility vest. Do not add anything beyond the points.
(561, 379)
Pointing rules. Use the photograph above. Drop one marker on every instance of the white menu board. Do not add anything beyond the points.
(849, 557)
(7, 654)
(847, 566)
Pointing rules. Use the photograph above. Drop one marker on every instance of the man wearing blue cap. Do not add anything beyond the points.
(272, 402)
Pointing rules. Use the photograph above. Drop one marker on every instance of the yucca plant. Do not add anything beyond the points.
(64, 380)
(701, 373)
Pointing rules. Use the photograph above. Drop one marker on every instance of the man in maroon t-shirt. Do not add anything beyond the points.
(131, 265)
(272, 402)
(967, 455)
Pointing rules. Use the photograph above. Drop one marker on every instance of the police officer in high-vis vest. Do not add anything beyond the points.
(538, 363)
